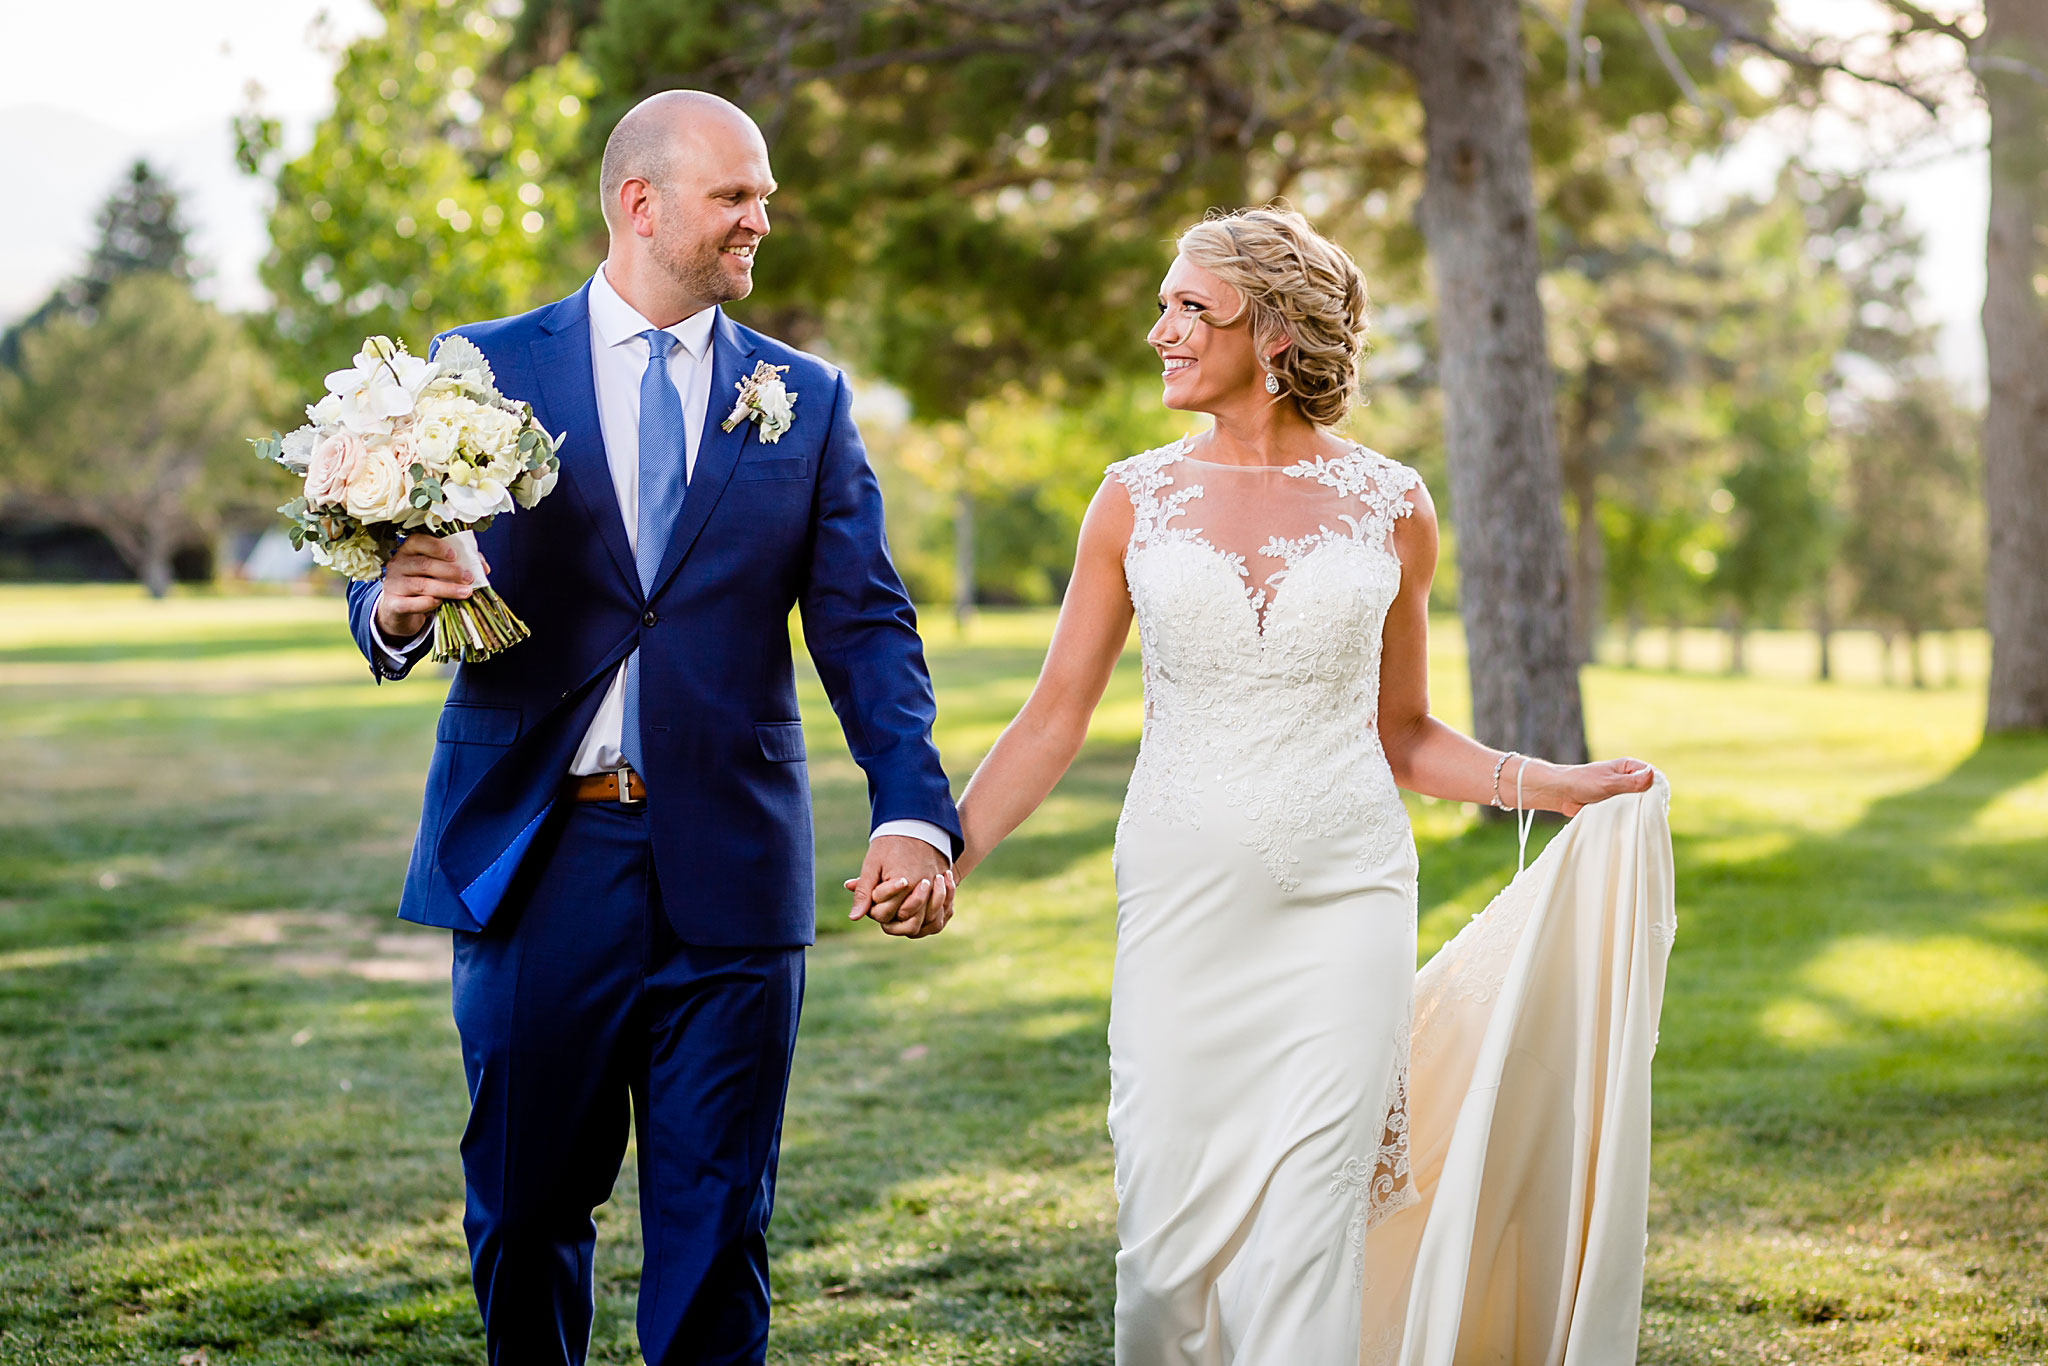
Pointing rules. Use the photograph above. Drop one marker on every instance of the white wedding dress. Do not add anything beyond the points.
(1322, 1156)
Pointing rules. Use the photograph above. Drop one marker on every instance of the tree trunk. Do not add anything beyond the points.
(1824, 631)
(1915, 670)
(1632, 631)
(155, 568)
(1478, 219)
(1738, 663)
(2016, 340)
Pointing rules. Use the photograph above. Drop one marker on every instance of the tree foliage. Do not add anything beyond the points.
(1914, 543)
(431, 195)
(133, 420)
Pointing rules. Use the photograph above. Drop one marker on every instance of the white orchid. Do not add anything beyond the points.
(383, 384)
(472, 496)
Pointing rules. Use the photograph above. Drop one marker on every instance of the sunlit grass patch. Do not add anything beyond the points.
(1938, 982)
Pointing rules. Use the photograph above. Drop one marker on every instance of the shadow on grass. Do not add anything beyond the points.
(1852, 1004)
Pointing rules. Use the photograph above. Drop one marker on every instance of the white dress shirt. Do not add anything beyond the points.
(618, 358)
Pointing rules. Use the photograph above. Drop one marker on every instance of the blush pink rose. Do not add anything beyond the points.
(333, 463)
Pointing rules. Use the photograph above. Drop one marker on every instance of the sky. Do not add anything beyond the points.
(85, 88)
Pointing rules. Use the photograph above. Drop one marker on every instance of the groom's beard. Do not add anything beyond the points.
(701, 271)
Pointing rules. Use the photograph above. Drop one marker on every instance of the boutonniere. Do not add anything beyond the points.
(764, 399)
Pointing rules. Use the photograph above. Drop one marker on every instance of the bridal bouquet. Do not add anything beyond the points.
(401, 444)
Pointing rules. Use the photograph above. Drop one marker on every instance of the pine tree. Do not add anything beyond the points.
(141, 232)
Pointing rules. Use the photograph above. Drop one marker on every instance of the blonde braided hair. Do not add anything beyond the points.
(1294, 283)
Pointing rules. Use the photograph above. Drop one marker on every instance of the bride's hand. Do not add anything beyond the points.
(1571, 788)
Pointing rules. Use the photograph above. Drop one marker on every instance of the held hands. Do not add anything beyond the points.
(419, 578)
(905, 886)
(1572, 787)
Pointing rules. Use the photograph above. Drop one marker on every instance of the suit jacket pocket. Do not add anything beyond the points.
(772, 469)
(469, 724)
(782, 742)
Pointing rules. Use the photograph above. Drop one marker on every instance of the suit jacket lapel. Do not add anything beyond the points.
(718, 450)
(561, 363)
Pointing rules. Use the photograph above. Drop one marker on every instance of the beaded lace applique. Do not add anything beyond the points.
(1268, 691)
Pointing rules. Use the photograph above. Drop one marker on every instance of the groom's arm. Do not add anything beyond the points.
(862, 633)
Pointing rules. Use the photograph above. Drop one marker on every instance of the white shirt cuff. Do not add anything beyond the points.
(395, 654)
(922, 830)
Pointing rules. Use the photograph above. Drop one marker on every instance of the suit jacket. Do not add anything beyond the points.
(763, 528)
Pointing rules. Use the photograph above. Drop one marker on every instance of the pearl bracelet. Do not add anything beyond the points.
(1498, 766)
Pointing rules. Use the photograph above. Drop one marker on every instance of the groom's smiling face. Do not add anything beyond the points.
(713, 210)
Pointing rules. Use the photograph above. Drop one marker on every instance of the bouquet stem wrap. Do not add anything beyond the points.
(480, 625)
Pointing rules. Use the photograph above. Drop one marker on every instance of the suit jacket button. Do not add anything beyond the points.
(648, 620)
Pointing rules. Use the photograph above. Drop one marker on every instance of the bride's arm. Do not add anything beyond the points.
(1036, 748)
(1436, 760)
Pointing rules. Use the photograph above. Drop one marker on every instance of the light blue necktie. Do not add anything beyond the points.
(663, 473)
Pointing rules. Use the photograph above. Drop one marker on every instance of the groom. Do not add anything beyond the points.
(617, 819)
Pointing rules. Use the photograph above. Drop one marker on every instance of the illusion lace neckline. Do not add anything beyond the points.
(1339, 472)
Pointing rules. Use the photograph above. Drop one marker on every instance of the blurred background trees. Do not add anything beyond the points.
(126, 401)
(1662, 417)
(134, 420)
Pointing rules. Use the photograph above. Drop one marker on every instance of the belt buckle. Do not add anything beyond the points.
(624, 778)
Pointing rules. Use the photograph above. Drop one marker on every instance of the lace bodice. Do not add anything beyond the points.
(1261, 593)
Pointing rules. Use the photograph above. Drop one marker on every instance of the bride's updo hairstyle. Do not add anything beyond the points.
(1296, 283)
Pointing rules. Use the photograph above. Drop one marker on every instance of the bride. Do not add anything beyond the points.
(1288, 1194)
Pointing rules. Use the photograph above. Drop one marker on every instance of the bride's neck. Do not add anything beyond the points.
(1263, 432)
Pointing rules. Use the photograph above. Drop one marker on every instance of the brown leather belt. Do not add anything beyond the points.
(604, 787)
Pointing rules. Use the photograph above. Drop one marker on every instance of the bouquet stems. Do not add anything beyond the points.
(476, 628)
(480, 625)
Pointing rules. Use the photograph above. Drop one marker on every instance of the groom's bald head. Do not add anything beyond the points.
(673, 136)
(685, 182)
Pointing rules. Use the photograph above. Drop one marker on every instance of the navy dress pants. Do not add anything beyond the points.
(581, 1011)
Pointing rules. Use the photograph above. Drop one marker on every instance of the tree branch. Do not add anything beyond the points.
(1348, 24)
(1662, 47)
(1735, 29)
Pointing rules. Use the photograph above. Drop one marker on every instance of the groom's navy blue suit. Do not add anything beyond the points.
(654, 952)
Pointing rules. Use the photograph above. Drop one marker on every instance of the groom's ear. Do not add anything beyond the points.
(634, 207)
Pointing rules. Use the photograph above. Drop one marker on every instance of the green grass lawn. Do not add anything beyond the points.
(230, 1093)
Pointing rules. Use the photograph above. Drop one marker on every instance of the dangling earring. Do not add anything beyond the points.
(1272, 382)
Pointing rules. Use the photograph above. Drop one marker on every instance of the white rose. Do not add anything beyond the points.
(330, 465)
(497, 431)
(379, 490)
(433, 442)
(447, 407)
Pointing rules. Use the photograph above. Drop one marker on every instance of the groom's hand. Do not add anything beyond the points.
(905, 886)
(421, 576)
